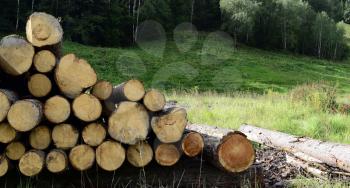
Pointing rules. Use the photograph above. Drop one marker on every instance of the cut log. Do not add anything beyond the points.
(308, 168)
(129, 123)
(15, 150)
(73, 75)
(16, 55)
(166, 154)
(65, 136)
(4, 165)
(154, 100)
(170, 124)
(43, 29)
(226, 149)
(32, 163)
(56, 161)
(82, 157)
(57, 109)
(7, 133)
(39, 85)
(40, 137)
(192, 144)
(44, 61)
(110, 155)
(24, 115)
(333, 154)
(87, 107)
(132, 90)
(102, 90)
(7, 98)
(94, 134)
(140, 154)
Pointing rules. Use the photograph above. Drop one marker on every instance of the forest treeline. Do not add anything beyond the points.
(301, 26)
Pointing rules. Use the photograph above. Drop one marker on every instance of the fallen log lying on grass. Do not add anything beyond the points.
(333, 154)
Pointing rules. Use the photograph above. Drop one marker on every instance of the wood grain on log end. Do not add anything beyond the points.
(65, 136)
(82, 157)
(87, 107)
(7, 133)
(57, 109)
(167, 154)
(32, 163)
(133, 90)
(94, 134)
(56, 161)
(15, 150)
(4, 165)
(7, 98)
(154, 100)
(140, 154)
(39, 85)
(24, 115)
(110, 155)
(192, 144)
(44, 61)
(102, 90)
(40, 137)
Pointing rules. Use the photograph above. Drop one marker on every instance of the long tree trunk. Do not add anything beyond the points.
(334, 154)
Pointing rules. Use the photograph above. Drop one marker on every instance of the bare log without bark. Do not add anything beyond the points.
(43, 29)
(40, 137)
(15, 150)
(4, 165)
(167, 154)
(73, 75)
(39, 85)
(56, 161)
(82, 157)
(7, 98)
(94, 134)
(170, 124)
(87, 107)
(110, 155)
(140, 154)
(192, 144)
(308, 168)
(57, 109)
(154, 100)
(24, 115)
(44, 61)
(32, 163)
(102, 90)
(334, 154)
(65, 136)
(16, 55)
(129, 123)
(7, 133)
(227, 149)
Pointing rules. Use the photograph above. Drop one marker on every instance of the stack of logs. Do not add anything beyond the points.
(56, 114)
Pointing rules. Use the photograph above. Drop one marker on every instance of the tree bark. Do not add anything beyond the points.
(333, 154)
(110, 155)
(32, 163)
(226, 149)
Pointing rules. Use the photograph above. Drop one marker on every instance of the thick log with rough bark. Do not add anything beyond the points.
(32, 162)
(154, 100)
(192, 144)
(102, 90)
(140, 154)
(169, 125)
(7, 133)
(24, 115)
(73, 75)
(7, 98)
(82, 157)
(65, 136)
(334, 154)
(40, 137)
(56, 161)
(129, 123)
(43, 29)
(16, 55)
(226, 149)
(4, 165)
(166, 154)
(57, 109)
(94, 134)
(110, 155)
(39, 85)
(44, 61)
(87, 107)
(15, 150)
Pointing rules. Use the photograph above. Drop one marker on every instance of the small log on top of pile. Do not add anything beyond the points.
(57, 114)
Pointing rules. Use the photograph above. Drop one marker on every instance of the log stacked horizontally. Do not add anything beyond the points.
(56, 114)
